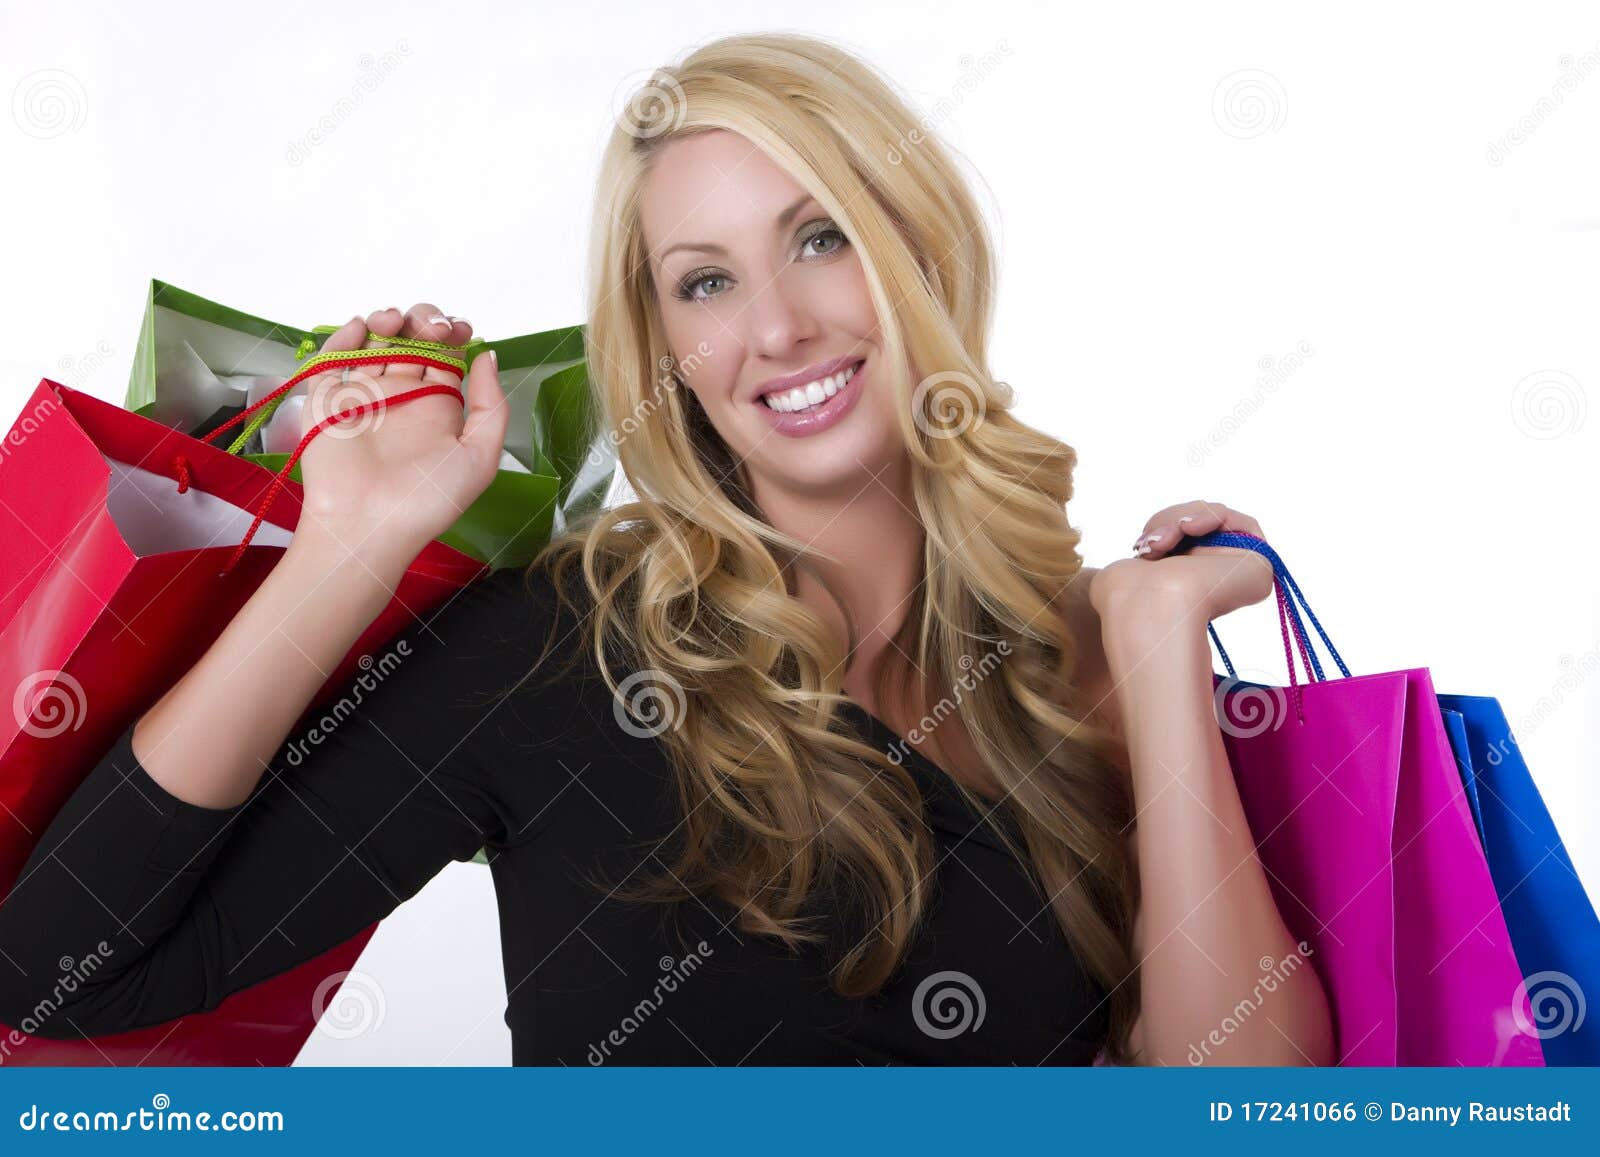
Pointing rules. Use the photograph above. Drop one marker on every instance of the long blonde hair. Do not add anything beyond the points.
(782, 803)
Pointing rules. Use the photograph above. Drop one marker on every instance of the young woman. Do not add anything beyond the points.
(846, 760)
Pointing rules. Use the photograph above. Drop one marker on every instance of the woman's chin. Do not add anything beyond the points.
(845, 466)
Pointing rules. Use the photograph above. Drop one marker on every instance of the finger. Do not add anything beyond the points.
(483, 433)
(1166, 528)
(380, 323)
(349, 336)
(340, 386)
(427, 322)
(384, 323)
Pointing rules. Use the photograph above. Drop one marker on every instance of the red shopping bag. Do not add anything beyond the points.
(110, 590)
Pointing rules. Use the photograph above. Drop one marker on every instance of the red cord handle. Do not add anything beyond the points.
(180, 464)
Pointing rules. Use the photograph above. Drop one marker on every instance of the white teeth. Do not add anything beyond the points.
(809, 395)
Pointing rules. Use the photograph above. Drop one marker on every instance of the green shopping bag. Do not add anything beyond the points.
(199, 364)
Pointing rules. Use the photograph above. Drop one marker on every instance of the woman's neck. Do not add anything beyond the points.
(877, 540)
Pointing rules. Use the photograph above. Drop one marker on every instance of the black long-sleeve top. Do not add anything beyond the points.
(434, 764)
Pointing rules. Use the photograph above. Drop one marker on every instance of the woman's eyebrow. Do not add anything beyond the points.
(781, 222)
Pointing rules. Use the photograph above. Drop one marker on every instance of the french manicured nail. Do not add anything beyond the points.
(1185, 518)
(461, 319)
(494, 357)
(439, 319)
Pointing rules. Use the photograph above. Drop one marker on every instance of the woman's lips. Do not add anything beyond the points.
(806, 422)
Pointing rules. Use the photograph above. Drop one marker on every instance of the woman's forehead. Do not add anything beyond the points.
(712, 188)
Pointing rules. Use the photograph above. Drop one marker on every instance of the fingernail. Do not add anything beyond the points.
(460, 319)
(1185, 518)
(438, 319)
(494, 358)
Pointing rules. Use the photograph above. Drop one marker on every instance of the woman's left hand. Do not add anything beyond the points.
(1212, 579)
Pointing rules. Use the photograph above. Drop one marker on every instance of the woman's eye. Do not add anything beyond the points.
(825, 234)
(686, 289)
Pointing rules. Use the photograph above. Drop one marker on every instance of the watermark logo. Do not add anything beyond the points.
(349, 389)
(1246, 709)
(358, 1007)
(48, 703)
(649, 104)
(1249, 103)
(1556, 1001)
(947, 404)
(49, 103)
(948, 1004)
(649, 702)
(1549, 404)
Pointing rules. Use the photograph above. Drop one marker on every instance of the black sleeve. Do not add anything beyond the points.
(185, 904)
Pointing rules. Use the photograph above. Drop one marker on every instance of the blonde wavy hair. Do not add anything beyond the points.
(783, 803)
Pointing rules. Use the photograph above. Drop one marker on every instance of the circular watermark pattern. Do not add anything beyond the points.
(1548, 404)
(948, 1004)
(1245, 709)
(349, 389)
(49, 103)
(358, 1006)
(947, 404)
(1249, 103)
(649, 702)
(47, 703)
(649, 103)
(1557, 1003)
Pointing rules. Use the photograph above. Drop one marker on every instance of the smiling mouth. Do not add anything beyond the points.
(813, 395)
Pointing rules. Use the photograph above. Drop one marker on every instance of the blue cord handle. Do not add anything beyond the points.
(1286, 582)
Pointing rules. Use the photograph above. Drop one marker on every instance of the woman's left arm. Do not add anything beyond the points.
(1208, 933)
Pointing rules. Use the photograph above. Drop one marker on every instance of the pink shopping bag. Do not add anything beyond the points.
(1361, 821)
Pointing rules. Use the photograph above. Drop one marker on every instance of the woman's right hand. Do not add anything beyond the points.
(391, 480)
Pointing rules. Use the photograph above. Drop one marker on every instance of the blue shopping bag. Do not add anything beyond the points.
(1553, 926)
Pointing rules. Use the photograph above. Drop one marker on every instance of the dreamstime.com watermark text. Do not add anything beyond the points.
(673, 973)
(73, 973)
(160, 1118)
(346, 707)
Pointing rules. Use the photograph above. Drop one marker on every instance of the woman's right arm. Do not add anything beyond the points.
(373, 491)
(168, 880)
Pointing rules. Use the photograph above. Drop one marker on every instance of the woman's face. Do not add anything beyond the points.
(759, 290)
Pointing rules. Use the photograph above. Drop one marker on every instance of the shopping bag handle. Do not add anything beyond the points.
(413, 351)
(1289, 613)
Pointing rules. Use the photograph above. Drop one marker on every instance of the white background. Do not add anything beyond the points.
(1428, 472)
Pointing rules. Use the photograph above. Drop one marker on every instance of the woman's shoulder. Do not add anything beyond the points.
(1091, 672)
(538, 589)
